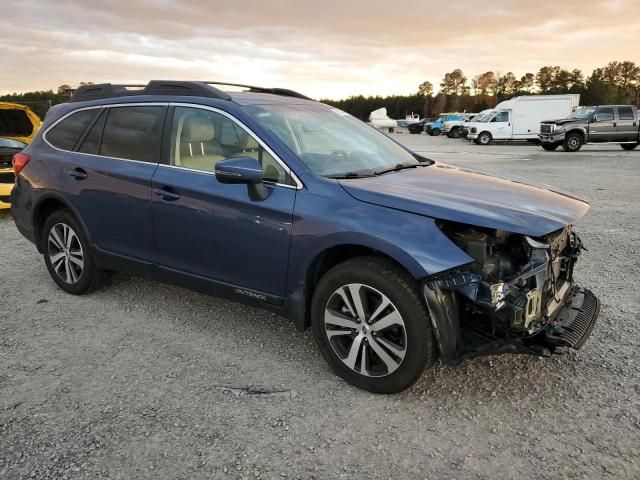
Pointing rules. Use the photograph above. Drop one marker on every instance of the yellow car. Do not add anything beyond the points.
(18, 126)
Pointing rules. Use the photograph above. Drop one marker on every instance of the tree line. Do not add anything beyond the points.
(616, 83)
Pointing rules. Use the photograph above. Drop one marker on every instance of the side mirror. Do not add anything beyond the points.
(245, 170)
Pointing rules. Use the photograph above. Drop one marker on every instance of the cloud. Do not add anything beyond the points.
(325, 49)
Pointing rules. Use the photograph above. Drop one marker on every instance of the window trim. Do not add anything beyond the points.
(298, 184)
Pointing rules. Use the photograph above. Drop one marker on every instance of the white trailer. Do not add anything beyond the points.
(519, 118)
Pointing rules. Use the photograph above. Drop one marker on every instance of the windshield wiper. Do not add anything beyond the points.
(397, 167)
(350, 175)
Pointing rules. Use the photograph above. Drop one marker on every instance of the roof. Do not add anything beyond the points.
(176, 88)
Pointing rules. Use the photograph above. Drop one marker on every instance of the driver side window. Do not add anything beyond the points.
(202, 138)
(605, 115)
(501, 117)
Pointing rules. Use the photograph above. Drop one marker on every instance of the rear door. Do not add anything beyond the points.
(108, 178)
(213, 230)
(626, 124)
(602, 127)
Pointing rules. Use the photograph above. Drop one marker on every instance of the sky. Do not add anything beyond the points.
(322, 48)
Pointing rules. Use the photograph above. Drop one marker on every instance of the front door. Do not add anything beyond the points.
(602, 127)
(213, 230)
(501, 126)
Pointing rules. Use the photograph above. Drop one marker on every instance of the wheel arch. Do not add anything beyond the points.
(333, 255)
(45, 206)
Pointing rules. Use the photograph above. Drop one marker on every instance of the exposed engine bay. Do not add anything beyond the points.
(514, 296)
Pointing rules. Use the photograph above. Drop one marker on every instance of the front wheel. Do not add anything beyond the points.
(67, 255)
(435, 132)
(628, 146)
(572, 142)
(549, 147)
(371, 325)
(484, 138)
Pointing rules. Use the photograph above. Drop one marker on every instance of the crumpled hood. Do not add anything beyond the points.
(449, 193)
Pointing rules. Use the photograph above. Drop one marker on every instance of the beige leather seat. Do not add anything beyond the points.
(251, 148)
(198, 148)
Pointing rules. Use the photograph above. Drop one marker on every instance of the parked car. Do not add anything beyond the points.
(455, 128)
(418, 127)
(519, 118)
(8, 148)
(18, 125)
(435, 128)
(269, 198)
(617, 124)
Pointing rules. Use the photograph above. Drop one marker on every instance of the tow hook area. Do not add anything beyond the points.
(575, 319)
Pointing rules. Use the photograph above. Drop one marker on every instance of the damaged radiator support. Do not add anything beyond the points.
(522, 302)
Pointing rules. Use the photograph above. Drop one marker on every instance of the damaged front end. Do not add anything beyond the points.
(517, 296)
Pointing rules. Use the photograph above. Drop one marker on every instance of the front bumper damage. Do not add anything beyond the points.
(534, 311)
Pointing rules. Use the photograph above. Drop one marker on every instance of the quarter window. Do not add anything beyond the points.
(625, 113)
(133, 133)
(202, 138)
(66, 133)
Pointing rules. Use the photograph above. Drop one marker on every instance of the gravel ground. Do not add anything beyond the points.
(143, 380)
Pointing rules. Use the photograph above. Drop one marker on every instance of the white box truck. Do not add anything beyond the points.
(519, 118)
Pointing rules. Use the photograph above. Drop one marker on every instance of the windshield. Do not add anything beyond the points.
(331, 142)
(583, 112)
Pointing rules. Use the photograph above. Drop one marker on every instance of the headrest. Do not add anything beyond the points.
(247, 142)
(197, 129)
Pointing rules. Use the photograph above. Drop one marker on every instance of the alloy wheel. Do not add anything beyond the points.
(65, 252)
(365, 330)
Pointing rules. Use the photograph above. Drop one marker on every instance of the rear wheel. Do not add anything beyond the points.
(484, 138)
(572, 142)
(371, 325)
(67, 254)
(628, 146)
(550, 147)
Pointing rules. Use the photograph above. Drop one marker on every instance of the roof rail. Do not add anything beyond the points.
(252, 88)
(154, 87)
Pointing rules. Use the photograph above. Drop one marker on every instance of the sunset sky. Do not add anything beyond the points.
(326, 49)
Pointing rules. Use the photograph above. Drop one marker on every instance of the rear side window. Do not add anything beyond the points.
(133, 133)
(625, 113)
(66, 133)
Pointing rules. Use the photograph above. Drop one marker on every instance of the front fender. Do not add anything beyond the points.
(325, 221)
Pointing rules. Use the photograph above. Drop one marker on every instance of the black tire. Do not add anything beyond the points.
(89, 278)
(435, 132)
(549, 147)
(628, 146)
(389, 279)
(572, 142)
(484, 138)
(454, 132)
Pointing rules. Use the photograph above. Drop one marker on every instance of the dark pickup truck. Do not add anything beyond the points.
(605, 124)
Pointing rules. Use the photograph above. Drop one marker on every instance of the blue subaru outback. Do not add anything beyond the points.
(270, 198)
